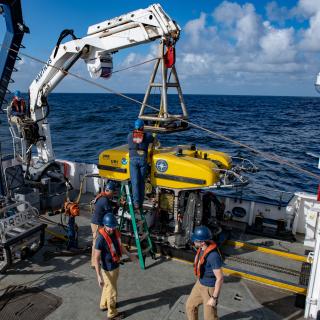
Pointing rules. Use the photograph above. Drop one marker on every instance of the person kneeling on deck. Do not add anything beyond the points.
(102, 205)
(207, 269)
(138, 142)
(109, 250)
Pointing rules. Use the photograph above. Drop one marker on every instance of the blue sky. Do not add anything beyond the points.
(226, 47)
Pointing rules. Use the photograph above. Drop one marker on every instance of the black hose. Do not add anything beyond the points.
(64, 33)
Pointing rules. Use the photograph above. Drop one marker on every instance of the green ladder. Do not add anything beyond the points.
(137, 220)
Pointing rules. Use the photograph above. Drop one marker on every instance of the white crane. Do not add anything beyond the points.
(96, 49)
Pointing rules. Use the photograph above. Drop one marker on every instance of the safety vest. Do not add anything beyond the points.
(18, 105)
(115, 256)
(137, 136)
(101, 194)
(199, 262)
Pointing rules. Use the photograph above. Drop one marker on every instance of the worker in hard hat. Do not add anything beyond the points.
(108, 251)
(138, 142)
(207, 269)
(18, 108)
(102, 204)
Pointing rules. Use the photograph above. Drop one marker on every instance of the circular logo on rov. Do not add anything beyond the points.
(124, 161)
(162, 165)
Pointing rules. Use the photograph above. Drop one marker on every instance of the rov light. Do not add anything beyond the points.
(99, 64)
(317, 83)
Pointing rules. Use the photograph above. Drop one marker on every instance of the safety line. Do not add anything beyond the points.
(266, 280)
(257, 278)
(236, 273)
(252, 247)
(221, 136)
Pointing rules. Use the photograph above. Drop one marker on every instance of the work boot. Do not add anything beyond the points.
(119, 316)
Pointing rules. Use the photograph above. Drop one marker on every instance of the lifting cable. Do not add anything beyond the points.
(210, 132)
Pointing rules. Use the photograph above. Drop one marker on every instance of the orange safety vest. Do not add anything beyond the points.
(137, 136)
(101, 194)
(198, 264)
(18, 105)
(115, 256)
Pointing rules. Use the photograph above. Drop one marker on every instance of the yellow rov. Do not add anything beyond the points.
(178, 195)
(181, 167)
(177, 192)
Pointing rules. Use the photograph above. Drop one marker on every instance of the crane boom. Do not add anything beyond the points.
(96, 49)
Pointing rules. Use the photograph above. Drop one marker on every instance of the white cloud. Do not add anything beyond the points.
(227, 13)
(311, 36)
(248, 27)
(247, 30)
(196, 64)
(194, 29)
(234, 47)
(249, 45)
(242, 21)
(245, 46)
(278, 45)
(275, 13)
(308, 8)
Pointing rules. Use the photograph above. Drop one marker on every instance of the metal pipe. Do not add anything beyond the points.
(169, 118)
(146, 97)
(175, 211)
(183, 106)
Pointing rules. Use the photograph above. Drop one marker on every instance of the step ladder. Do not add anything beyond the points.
(139, 224)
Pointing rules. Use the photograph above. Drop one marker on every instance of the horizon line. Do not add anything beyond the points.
(189, 94)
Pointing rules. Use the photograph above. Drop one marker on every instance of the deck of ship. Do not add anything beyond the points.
(158, 292)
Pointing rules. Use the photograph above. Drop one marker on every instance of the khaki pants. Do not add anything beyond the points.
(94, 229)
(110, 292)
(200, 295)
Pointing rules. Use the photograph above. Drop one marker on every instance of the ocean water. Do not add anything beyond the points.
(82, 125)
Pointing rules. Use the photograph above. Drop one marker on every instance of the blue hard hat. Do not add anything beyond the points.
(201, 233)
(110, 220)
(110, 186)
(17, 94)
(138, 124)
